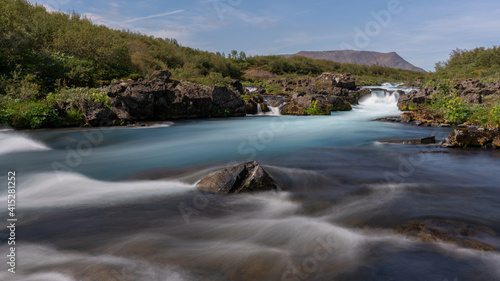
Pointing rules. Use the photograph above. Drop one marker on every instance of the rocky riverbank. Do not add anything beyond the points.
(455, 106)
(310, 96)
(162, 98)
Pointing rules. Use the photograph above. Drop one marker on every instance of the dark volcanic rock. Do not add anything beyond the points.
(227, 99)
(342, 80)
(462, 234)
(96, 113)
(327, 100)
(427, 140)
(163, 75)
(414, 98)
(163, 99)
(473, 138)
(247, 177)
(236, 84)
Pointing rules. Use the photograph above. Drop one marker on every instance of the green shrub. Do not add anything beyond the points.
(74, 117)
(24, 88)
(35, 114)
(72, 96)
(314, 109)
(487, 117)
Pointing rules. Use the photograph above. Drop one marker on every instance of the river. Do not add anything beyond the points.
(120, 203)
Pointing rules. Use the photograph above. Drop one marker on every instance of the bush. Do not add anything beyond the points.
(74, 117)
(314, 109)
(72, 96)
(34, 115)
(452, 108)
(487, 117)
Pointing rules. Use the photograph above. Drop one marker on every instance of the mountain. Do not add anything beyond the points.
(361, 57)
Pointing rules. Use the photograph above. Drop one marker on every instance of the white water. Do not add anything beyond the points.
(76, 227)
(58, 189)
(10, 143)
(259, 109)
(378, 103)
(273, 111)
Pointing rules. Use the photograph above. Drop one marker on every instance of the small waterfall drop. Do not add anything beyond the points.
(259, 110)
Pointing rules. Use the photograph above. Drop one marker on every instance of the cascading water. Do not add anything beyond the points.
(121, 203)
(273, 111)
(259, 109)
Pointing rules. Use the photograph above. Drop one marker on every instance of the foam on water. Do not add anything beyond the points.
(51, 264)
(10, 143)
(60, 189)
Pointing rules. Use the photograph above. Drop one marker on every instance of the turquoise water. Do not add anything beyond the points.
(120, 202)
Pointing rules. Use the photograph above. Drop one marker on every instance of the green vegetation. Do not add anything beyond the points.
(314, 109)
(56, 59)
(31, 114)
(482, 64)
(479, 63)
(456, 110)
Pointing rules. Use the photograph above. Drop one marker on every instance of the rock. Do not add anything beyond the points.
(473, 138)
(228, 100)
(162, 99)
(414, 98)
(462, 234)
(236, 84)
(96, 114)
(426, 140)
(163, 75)
(326, 100)
(406, 117)
(389, 119)
(122, 114)
(341, 80)
(247, 177)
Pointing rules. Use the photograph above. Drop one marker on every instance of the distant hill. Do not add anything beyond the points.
(362, 57)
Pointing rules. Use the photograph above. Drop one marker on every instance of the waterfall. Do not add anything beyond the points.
(259, 110)
(275, 111)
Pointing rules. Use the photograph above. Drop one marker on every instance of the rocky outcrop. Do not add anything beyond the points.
(163, 99)
(247, 177)
(97, 113)
(325, 100)
(473, 138)
(462, 234)
(328, 92)
(415, 98)
(341, 80)
(470, 90)
(426, 140)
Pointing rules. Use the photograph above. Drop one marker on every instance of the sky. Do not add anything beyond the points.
(422, 32)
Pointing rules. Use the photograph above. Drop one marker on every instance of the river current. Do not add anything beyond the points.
(121, 204)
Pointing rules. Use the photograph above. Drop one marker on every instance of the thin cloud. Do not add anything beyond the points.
(154, 16)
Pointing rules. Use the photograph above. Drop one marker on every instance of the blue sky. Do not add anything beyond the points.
(423, 32)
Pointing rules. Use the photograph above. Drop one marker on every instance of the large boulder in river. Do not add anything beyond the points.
(470, 138)
(247, 177)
